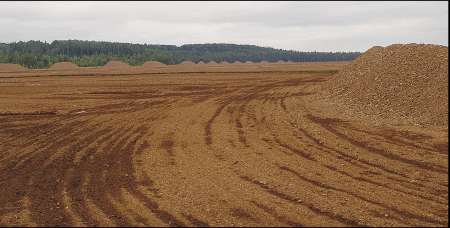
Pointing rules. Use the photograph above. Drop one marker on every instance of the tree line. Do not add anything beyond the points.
(41, 55)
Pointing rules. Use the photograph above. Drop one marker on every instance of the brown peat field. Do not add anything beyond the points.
(210, 145)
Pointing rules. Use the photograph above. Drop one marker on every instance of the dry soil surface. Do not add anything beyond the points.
(243, 148)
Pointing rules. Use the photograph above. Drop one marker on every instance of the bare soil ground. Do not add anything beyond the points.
(224, 145)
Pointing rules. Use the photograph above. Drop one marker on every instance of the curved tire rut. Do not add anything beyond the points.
(212, 150)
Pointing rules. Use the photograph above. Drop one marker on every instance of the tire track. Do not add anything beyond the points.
(391, 208)
(212, 150)
(86, 150)
(353, 161)
(278, 194)
(321, 144)
(326, 124)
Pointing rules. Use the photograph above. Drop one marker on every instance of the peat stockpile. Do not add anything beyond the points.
(187, 63)
(201, 63)
(116, 64)
(403, 82)
(212, 63)
(10, 67)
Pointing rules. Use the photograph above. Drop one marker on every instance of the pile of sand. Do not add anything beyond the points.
(153, 64)
(407, 82)
(116, 64)
(281, 62)
(212, 63)
(238, 63)
(249, 63)
(264, 62)
(9, 67)
(224, 63)
(64, 66)
(187, 63)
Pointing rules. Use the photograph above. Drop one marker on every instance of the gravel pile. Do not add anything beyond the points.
(64, 66)
(408, 82)
(9, 67)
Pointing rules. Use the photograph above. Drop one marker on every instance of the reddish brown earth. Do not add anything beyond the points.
(231, 146)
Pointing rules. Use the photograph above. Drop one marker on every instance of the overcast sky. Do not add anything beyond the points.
(301, 26)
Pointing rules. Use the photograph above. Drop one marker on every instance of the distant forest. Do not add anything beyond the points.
(42, 55)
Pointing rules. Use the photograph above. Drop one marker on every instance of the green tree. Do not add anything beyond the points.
(15, 58)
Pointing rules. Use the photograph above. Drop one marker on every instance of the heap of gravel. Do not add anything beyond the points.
(10, 67)
(63, 66)
(403, 82)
